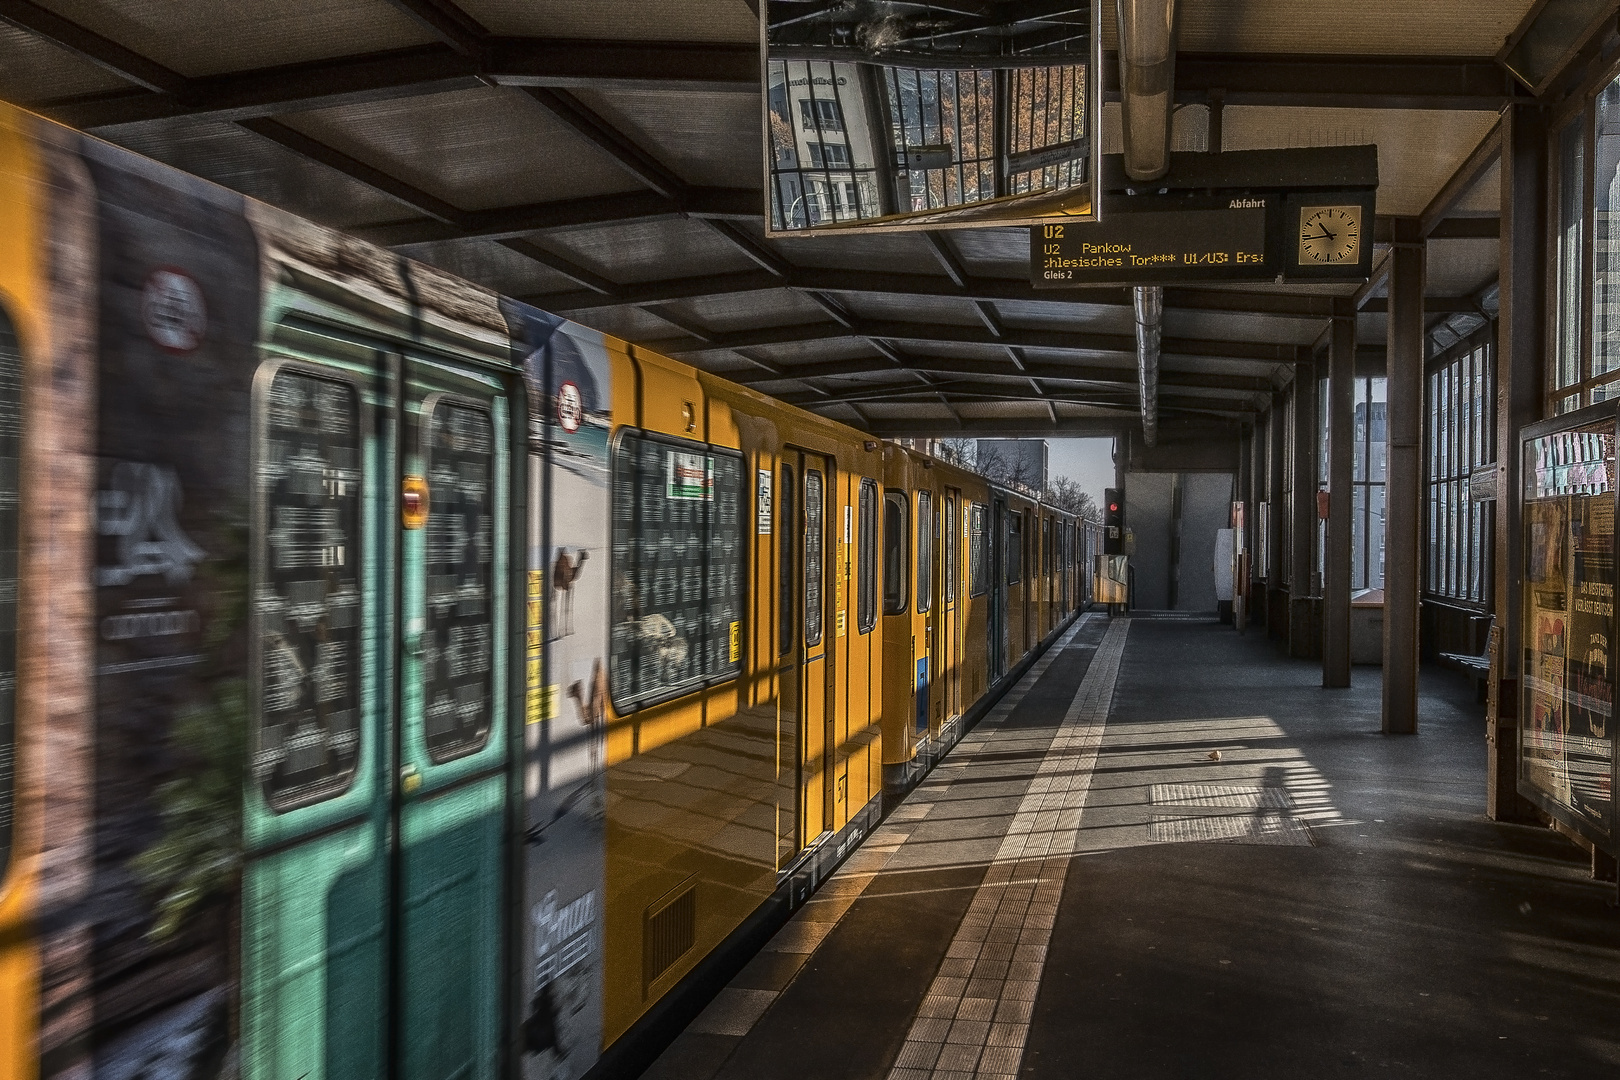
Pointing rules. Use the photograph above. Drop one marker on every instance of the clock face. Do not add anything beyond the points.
(1329, 234)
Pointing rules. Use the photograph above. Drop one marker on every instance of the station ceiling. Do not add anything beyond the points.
(602, 159)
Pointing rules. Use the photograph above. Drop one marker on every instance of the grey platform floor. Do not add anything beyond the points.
(1321, 900)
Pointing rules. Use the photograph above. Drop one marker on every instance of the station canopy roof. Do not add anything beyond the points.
(602, 159)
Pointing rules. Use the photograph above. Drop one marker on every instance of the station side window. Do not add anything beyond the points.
(306, 595)
(925, 550)
(1015, 548)
(978, 553)
(677, 569)
(894, 553)
(11, 420)
(866, 559)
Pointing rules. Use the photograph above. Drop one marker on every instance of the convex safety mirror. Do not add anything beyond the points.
(890, 114)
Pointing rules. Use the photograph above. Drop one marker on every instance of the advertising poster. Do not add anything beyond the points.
(1567, 741)
(566, 368)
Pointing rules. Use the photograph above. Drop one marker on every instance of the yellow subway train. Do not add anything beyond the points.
(397, 680)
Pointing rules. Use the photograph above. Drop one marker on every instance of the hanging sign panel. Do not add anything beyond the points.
(1179, 245)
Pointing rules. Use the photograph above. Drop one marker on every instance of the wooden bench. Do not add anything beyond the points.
(1477, 667)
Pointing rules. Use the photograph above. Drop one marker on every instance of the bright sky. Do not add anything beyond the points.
(1088, 462)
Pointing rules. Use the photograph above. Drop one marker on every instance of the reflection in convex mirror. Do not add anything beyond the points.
(885, 114)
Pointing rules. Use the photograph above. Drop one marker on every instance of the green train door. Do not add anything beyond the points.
(374, 807)
(451, 741)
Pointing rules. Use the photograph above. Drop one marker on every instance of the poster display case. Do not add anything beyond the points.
(1566, 729)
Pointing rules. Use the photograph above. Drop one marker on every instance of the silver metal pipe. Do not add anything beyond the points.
(1149, 304)
(1147, 80)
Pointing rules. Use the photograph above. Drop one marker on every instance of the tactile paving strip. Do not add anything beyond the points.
(975, 1019)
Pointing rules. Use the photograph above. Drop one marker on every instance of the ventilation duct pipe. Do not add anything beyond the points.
(1149, 314)
(1147, 82)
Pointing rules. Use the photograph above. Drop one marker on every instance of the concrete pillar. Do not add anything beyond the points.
(1341, 431)
(1304, 640)
(1520, 337)
(1403, 486)
(1276, 515)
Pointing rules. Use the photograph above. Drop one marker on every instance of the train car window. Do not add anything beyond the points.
(786, 522)
(1015, 548)
(458, 670)
(866, 557)
(814, 532)
(306, 596)
(894, 553)
(925, 550)
(10, 450)
(677, 569)
(978, 553)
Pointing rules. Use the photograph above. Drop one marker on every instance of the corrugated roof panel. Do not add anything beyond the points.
(473, 148)
(257, 167)
(1365, 28)
(650, 250)
(650, 20)
(207, 39)
(705, 139)
(33, 70)
(1418, 149)
(491, 265)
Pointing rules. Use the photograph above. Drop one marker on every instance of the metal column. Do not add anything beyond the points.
(1276, 515)
(1403, 491)
(1341, 443)
(1302, 641)
(1520, 337)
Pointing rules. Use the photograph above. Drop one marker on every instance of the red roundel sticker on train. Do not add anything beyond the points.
(173, 310)
(570, 407)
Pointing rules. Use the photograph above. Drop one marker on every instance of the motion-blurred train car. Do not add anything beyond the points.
(397, 680)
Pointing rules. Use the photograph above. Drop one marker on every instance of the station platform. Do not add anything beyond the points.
(1169, 853)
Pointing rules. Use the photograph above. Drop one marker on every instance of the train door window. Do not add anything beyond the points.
(978, 553)
(306, 590)
(1046, 546)
(1015, 548)
(894, 552)
(950, 550)
(925, 550)
(677, 568)
(786, 523)
(458, 452)
(866, 559)
(10, 452)
(813, 570)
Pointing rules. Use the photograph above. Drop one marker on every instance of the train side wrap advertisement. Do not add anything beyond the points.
(1174, 245)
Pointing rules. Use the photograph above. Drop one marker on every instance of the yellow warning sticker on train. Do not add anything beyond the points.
(736, 635)
(542, 704)
(413, 502)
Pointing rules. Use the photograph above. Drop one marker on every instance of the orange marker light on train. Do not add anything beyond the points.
(413, 502)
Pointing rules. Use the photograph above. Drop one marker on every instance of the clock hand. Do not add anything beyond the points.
(1325, 236)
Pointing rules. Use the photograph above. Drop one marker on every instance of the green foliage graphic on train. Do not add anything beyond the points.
(178, 303)
(564, 787)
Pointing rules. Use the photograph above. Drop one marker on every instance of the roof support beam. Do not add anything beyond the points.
(1059, 340)
(347, 80)
(1292, 305)
(503, 222)
(1359, 82)
(1461, 182)
(1055, 373)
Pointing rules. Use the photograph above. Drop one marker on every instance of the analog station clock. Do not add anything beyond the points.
(1329, 235)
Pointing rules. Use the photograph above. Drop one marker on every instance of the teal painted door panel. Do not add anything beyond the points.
(335, 933)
